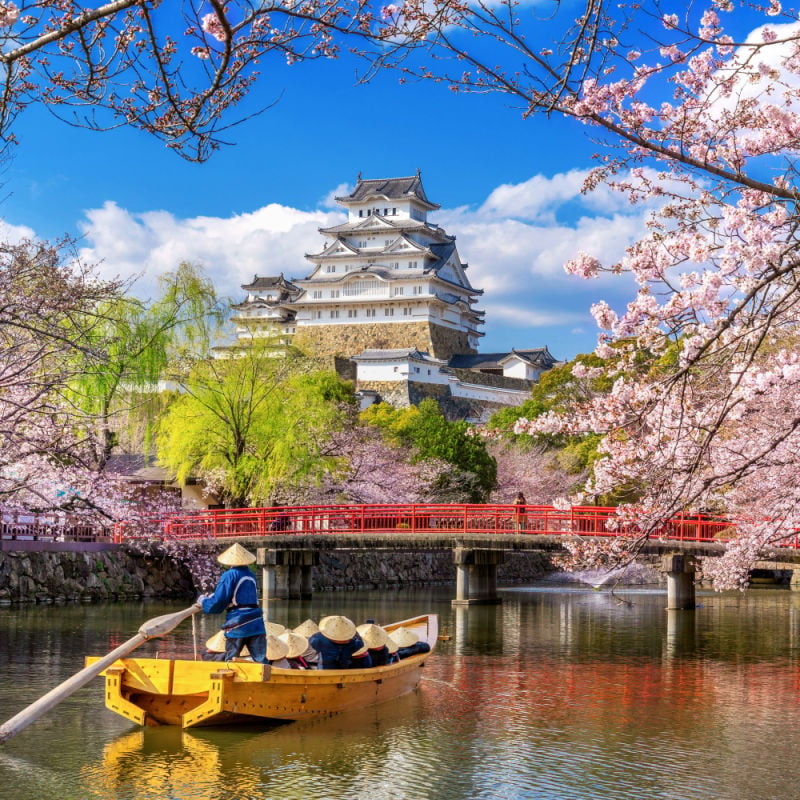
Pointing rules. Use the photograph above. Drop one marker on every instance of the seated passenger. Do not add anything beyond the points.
(375, 639)
(276, 652)
(336, 642)
(297, 645)
(361, 659)
(408, 643)
(392, 648)
(308, 629)
(274, 628)
(215, 647)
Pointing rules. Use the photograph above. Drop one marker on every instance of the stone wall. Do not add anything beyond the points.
(365, 569)
(350, 340)
(44, 577)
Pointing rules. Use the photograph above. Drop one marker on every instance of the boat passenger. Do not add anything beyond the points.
(237, 594)
(274, 628)
(297, 645)
(391, 646)
(308, 629)
(361, 659)
(276, 652)
(375, 639)
(408, 643)
(336, 642)
(215, 647)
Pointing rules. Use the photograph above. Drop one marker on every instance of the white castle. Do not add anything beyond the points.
(389, 292)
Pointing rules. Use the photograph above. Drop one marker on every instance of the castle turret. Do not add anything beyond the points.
(387, 278)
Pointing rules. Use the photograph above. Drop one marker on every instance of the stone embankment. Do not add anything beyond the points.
(46, 577)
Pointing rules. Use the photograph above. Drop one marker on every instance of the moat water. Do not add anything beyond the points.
(557, 693)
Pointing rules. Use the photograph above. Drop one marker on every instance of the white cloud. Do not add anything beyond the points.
(14, 234)
(268, 241)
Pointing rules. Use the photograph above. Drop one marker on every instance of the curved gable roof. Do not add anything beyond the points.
(390, 189)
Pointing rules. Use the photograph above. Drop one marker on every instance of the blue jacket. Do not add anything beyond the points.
(334, 655)
(413, 650)
(237, 593)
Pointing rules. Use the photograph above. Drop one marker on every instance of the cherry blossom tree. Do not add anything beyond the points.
(170, 69)
(363, 468)
(696, 113)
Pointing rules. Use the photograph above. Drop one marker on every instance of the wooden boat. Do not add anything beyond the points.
(154, 691)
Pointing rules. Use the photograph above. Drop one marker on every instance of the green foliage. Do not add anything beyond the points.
(431, 436)
(125, 353)
(252, 423)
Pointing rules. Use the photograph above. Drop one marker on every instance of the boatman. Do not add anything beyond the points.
(237, 595)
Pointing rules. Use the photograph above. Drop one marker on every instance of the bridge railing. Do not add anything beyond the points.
(415, 518)
(50, 527)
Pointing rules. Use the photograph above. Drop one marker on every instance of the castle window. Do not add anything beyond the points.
(335, 313)
(416, 369)
(319, 315)
(369, 212)
(406, 311)
(388, 312)
(360, 212)
(334, 292)
(370, 312)
(317, 294)
(352, 312)
(330, 268)
(385, 212)
(394, 212)
(399, 290)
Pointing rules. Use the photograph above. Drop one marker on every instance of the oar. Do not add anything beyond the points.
(158, 626)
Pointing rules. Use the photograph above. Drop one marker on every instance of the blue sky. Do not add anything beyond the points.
(509, 191)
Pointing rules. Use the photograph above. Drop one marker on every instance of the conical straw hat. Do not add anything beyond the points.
(362, 651)
(404, 637)
(391, 645)
(275, 628)
(296, 643)
(276, 648)
(217, 643)
(337, 629)
(236, 556)
(373, 635)
(307, 628)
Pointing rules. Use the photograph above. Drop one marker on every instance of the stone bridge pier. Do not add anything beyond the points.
(680, 569)
(287, 573)
(476, 576)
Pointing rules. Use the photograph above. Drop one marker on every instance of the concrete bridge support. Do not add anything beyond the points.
(476, 576)
(287, 573)
(680, 570)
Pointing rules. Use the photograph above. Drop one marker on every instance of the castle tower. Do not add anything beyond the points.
(387, 278)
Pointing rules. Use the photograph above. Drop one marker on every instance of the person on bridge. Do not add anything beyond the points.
(336, 643)
(237, 594)
(519, 511)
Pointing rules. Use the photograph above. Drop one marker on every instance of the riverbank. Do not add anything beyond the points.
(93, 575)
(120, 574)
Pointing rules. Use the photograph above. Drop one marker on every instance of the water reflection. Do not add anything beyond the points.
(580, 694)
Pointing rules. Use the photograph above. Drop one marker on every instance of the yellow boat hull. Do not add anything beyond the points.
(151, 691)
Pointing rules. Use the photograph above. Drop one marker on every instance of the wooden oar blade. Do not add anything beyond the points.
(158, 626)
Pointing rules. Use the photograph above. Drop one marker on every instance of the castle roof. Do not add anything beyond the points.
(261, 282)
(537, 357)
(390, 189)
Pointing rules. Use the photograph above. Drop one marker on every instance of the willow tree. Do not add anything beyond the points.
(125, 352)
(250, 424)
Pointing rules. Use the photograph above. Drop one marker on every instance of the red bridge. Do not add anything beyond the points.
(423, 518)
